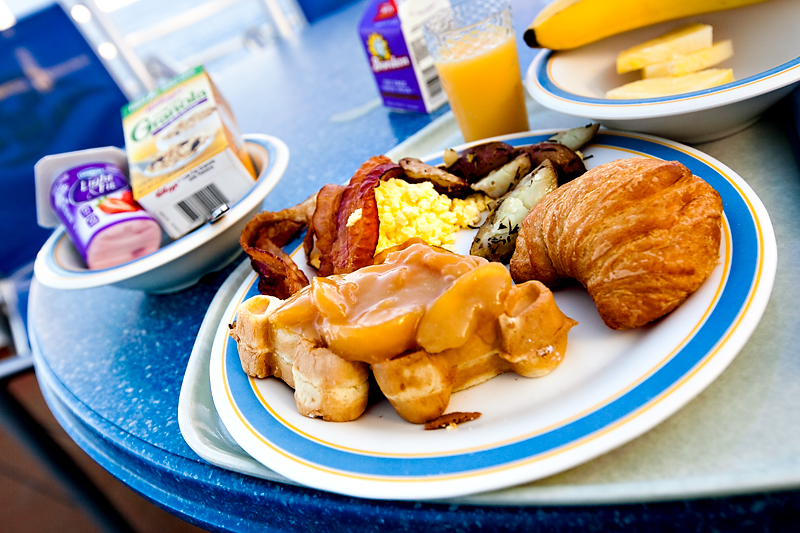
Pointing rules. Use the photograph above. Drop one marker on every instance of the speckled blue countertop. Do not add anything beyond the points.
(111, 361)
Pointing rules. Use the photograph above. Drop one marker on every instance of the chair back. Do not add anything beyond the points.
(316, 9)
(55, 96)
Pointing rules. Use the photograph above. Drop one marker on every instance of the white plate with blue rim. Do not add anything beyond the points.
(612, 386)
(180, 263)
(766, 67)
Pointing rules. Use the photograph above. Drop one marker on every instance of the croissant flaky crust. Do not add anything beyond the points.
(640, 234)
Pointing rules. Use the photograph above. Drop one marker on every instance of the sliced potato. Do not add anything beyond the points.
(576, 138)
(449, 158)
(475, 162)
(567, 162)
(497, 237)
(500, 181)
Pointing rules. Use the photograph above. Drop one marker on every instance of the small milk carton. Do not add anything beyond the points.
(391, 31)
(186, 157)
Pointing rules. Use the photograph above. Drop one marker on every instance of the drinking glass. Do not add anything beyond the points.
(475, 52)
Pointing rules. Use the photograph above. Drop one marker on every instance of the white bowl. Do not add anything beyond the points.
(178, 264)
(766, 65)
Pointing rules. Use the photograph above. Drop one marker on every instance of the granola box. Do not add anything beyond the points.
(186, 157)
(391, 32)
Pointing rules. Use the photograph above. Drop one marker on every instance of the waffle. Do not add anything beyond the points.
(459, 344)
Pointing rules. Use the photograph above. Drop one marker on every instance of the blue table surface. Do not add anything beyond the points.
(111, 361)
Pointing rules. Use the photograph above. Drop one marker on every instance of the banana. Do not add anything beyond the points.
(566, 24)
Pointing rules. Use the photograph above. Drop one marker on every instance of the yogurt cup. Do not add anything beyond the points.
(88, 193)
(104, 223)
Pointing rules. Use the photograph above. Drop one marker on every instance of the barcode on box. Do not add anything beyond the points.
(432, 82)
(419, 50)
(201, 204)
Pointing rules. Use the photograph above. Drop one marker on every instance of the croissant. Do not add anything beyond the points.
(640, 234)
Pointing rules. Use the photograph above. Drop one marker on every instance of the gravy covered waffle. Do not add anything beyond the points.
(427, 322)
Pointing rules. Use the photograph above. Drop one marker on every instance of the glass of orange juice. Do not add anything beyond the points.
(475, 52)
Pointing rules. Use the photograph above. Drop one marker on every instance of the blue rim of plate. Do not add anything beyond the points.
(744, 290)
(49, 267)
(542, 63)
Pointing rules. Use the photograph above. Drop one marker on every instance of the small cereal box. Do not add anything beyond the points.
(186, 156)
(391, 31)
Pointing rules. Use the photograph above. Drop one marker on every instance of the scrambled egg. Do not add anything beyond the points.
(416, 210)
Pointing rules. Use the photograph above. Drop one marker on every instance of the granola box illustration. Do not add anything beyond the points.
(391, 31)
(186, 156)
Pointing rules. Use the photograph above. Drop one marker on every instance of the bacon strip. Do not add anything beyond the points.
(345, 244)
(451, 420)
(278, 275)
(322, 228)
(262, 240)
(357, 237)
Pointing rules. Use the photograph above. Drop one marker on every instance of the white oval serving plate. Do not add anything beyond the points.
(612, 386)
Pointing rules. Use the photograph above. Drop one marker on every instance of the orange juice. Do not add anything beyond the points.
(485, 90)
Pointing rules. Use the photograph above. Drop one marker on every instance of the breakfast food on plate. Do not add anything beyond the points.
(407, 210)
(485, 162)
(451, 420)
(566, 24)
(497, 236)
(576, 138)
(388, 305)
(640, 234)
(263, 238)
(427, 322)
(346, 223)
(675, 63)
(497, 182)
(443, 182)
(421, 322)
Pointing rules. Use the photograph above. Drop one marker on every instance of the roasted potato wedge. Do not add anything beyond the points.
(500, 181)
(567, 163)
(475, 162)
(576, 138)
(497, 237)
